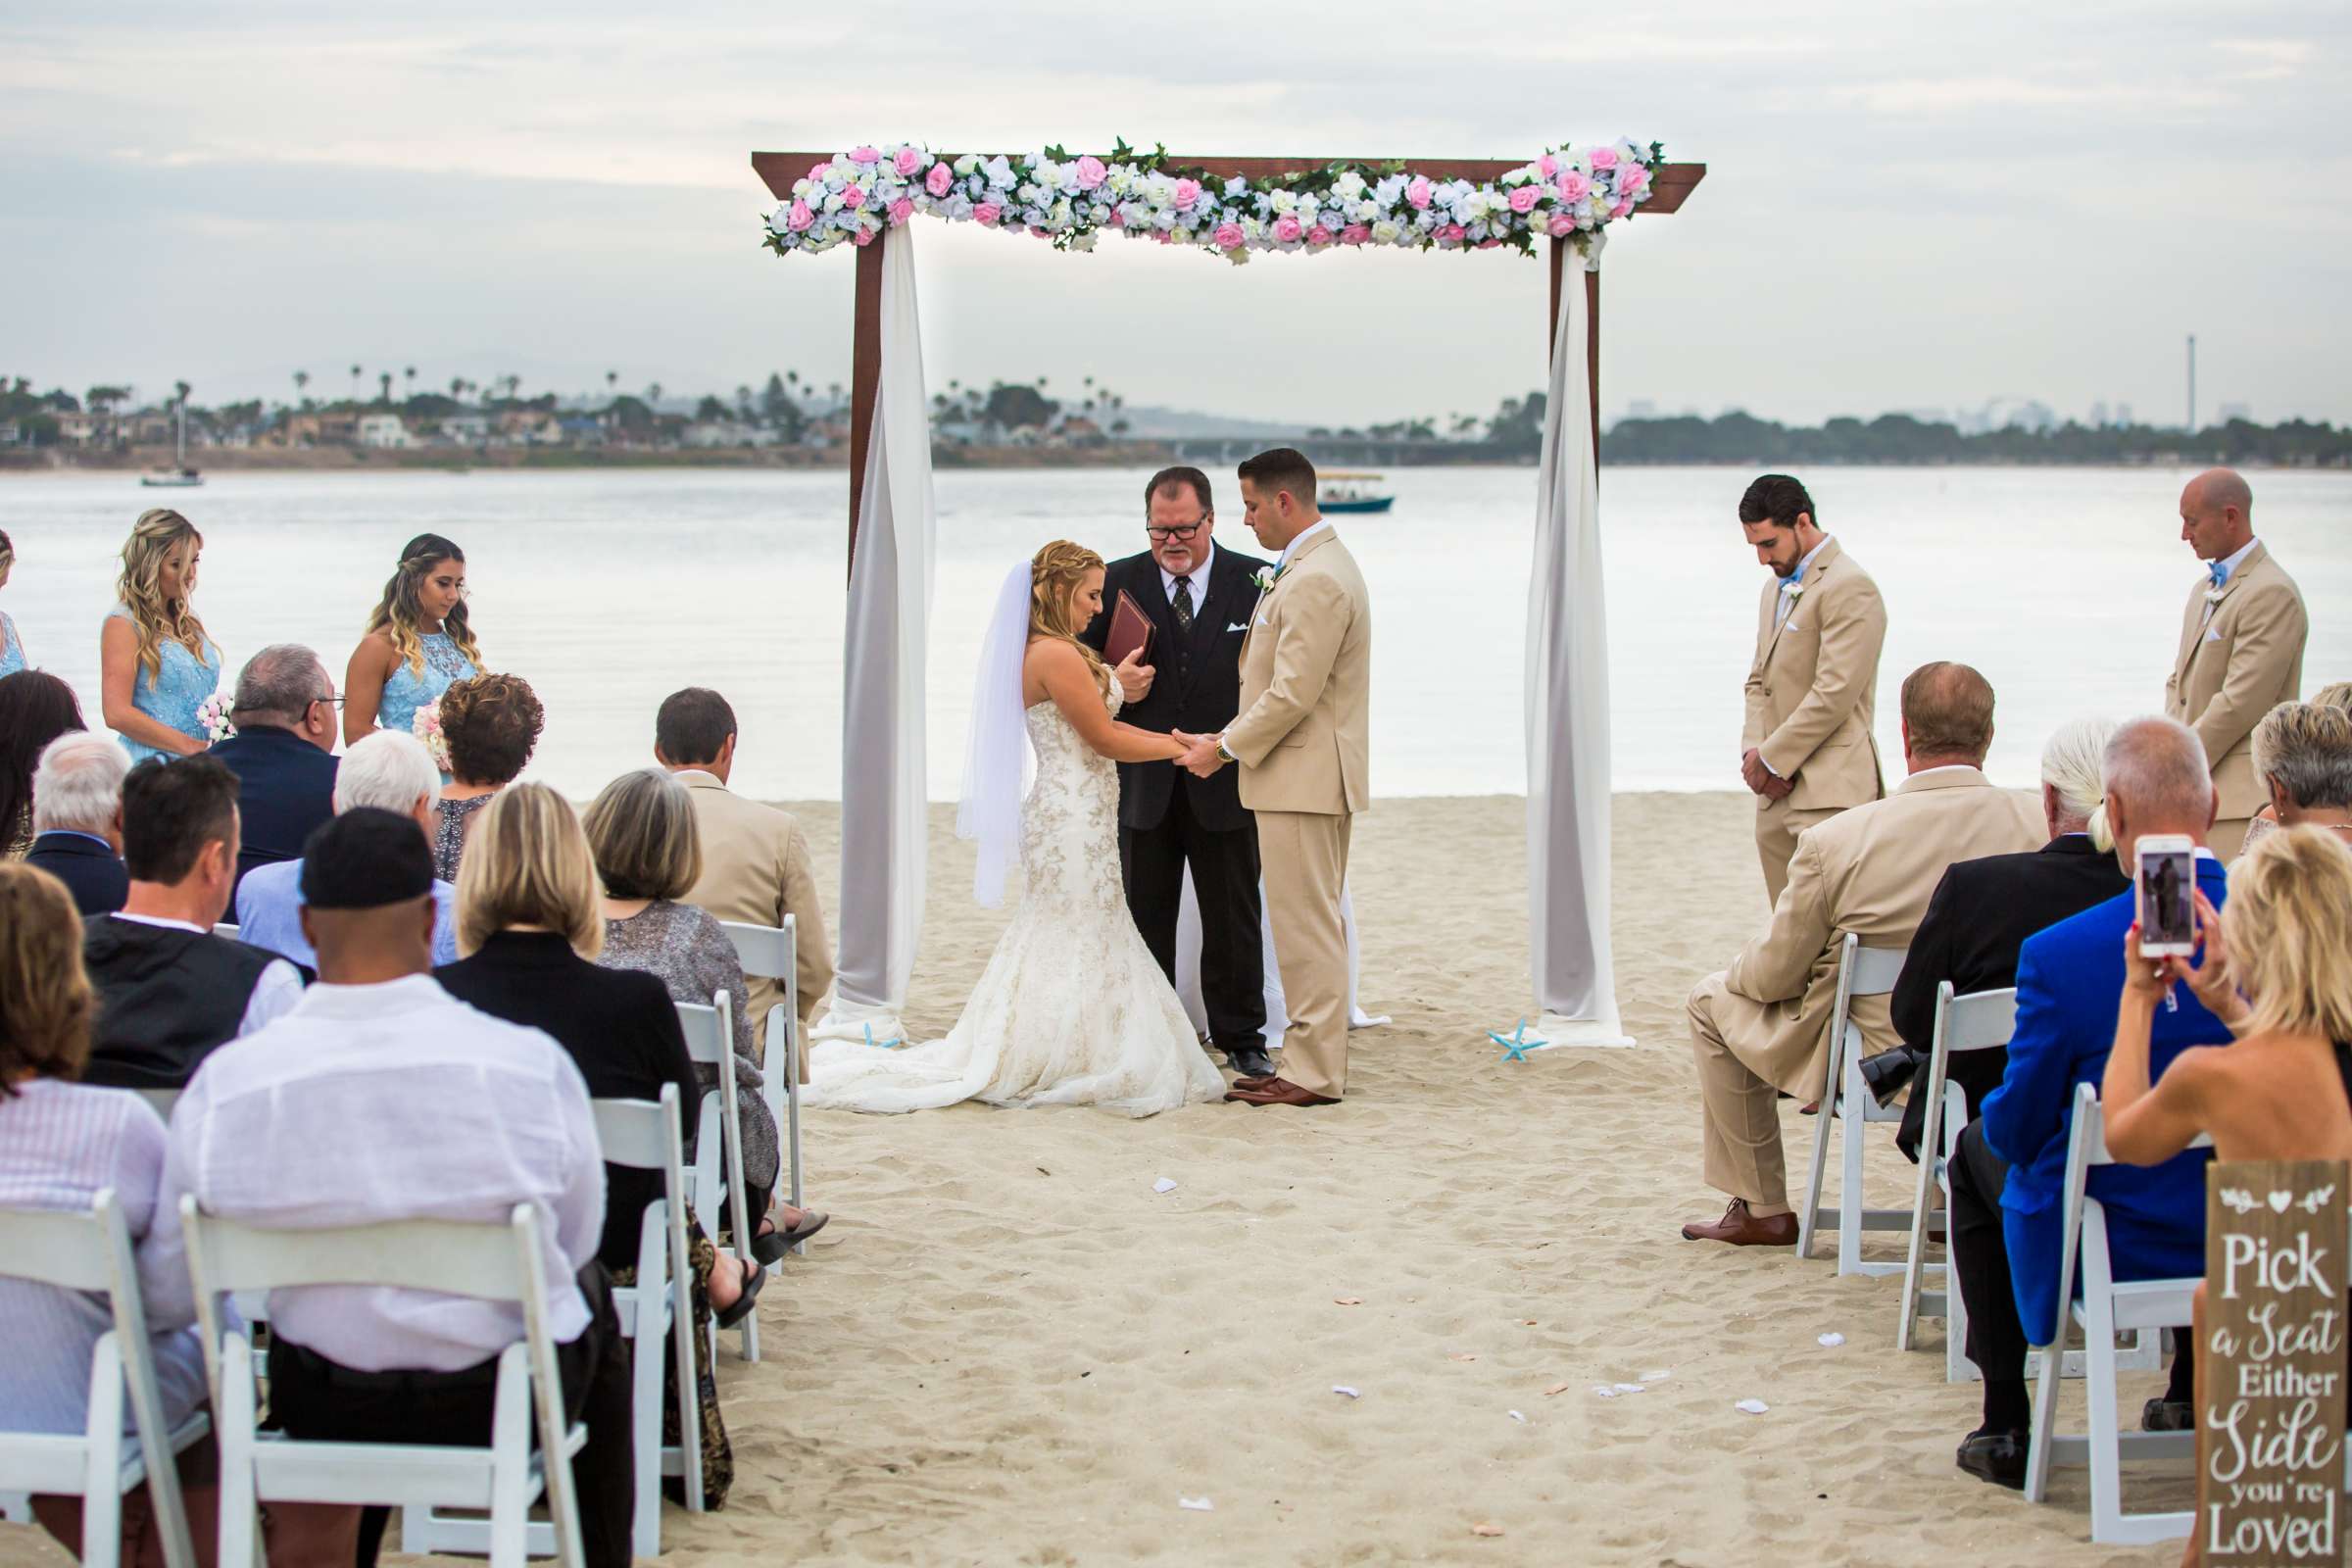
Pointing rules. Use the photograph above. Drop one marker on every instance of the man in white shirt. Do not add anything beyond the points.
(169, 990)
(381, 1097)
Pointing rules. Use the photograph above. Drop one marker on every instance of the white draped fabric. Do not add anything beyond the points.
(1568, 710)
(883, 837)
(1278, 1012)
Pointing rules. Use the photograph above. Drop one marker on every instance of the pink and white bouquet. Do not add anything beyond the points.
(426, 727)
(212, 714)
(1567, 192)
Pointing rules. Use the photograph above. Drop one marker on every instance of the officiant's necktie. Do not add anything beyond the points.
(1181, 602)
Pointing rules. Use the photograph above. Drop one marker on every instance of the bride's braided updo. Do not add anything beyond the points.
(1055, 574)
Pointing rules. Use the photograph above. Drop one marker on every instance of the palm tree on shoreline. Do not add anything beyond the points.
(302, 382)
(409, 381)
(355, 385)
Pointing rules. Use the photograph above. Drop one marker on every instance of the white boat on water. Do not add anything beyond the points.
(179, 476)
(1352, 492)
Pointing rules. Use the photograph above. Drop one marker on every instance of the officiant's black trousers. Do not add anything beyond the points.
(1233, 954)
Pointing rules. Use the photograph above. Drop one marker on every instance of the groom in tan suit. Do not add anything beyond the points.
(1806, 749)
(1303, 740)
(1762, 1026)
(2241, 645)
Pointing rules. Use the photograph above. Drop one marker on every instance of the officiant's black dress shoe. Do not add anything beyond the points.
(1885, 1073)
(1250, 1061)
(1995, 1457)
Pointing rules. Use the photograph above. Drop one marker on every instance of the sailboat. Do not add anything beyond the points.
(179, 476)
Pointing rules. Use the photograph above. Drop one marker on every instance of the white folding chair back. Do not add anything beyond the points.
(716, 1173)
(1981, 1021)
(2108, 1307)
(644, 1134)
(493, 1263)
(222, 928)
(1861, 972)
(90, 1250)
(772, 953)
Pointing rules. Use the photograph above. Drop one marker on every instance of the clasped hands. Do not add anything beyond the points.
(1200, 756)
(1762, 780)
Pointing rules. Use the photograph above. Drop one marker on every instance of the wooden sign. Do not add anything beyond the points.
(2271, 1481)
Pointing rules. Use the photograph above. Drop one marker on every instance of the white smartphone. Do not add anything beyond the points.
(2167, 894)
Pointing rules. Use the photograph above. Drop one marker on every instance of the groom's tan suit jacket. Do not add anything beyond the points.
(1304, 736)
(2241, 655)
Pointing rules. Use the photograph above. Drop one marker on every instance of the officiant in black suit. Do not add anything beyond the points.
(1198, 599)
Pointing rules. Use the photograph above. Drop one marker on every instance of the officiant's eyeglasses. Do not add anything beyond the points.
(1185, 532)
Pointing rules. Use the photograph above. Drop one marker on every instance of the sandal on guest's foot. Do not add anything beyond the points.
(770, 1245)
(753, 1280)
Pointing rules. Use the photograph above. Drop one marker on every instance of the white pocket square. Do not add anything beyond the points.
(2213, 634)
(1239, 626)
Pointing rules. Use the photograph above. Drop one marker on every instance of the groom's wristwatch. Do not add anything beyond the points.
(1223, 752)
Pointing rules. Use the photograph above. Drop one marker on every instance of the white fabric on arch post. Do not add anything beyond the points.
(1568, 708)
(1278, 1012)
(883, 836)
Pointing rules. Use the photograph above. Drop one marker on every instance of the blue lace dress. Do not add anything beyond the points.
(12, 652)
(172, 697)
(410, 689)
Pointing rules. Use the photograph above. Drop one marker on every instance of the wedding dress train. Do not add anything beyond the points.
(1072, 1010)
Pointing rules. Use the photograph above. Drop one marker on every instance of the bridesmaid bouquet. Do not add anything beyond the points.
(212, 714)
(426, 727)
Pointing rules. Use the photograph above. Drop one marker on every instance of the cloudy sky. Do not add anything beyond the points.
(1906, 205)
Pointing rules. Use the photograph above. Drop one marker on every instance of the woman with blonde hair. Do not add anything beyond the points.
(1072, 1009)
(156, 664)
(420, 640)
(12, 648)
(2303, 755)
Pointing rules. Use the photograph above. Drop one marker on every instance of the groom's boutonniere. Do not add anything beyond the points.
(1792, 587)
(1265, 577)
(2213, 596)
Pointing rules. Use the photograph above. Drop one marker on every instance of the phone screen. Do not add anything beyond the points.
(2168, 885)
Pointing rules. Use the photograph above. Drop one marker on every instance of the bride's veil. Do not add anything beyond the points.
(997, 762)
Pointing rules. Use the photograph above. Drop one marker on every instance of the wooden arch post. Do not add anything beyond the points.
(1670, 187)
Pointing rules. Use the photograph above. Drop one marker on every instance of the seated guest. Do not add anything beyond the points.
(756, 865)
(61, 1145)
(77, 819)
(385, 770)
(649, 852)
(2303, 758)
(491, 724)
(1984, 909)
(283, 753)
(169, 990)
(1762, 1026)
(381, 1097)
(35, 708)
(2009, 1174)
(2335, 695)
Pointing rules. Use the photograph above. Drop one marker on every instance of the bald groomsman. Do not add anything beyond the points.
(2241, 645)
(1806, 749)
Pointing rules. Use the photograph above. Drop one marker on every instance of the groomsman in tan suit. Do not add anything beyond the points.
(1806, 749)
(756, 865)
(2241, 645)
(1303, 740)
(1762, 1026)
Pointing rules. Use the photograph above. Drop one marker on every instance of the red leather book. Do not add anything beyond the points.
(1130, 630)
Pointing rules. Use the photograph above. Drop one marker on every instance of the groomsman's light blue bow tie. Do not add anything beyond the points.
(2218, 571)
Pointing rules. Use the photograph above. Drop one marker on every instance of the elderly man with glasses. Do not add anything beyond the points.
(1198, 598)
(282, 752)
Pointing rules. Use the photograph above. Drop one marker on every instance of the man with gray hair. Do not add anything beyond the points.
(2241, 643)
(391, 771)
(282, 752)
(2008, 1174)
(77, 819)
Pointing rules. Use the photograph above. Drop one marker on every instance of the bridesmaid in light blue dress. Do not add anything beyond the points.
(419, 641)
(12, 652)
(156, 664)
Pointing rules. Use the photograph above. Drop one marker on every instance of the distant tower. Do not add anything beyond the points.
(2193, 383)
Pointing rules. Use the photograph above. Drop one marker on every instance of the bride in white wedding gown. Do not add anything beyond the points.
(1072, 1010)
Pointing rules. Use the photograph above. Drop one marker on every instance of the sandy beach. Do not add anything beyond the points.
(1008, 1348)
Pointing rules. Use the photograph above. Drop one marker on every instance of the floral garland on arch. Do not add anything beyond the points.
(1568, 192)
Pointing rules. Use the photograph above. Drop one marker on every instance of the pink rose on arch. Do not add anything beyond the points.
(852, 196)
(1453, 233)
(1163, 236)
(1187, 192)
(800, 216)
(1287, 229)
(987, 212)
(1563, 225)
(1574, 187)
(1621, 209)
(1631, 180)
(1318, 235)
(1091, 172)
(939, 179)
(1355, 234)
(866, 236)
(1604, 158)
(1417, 193)
(864, 155)
(1488, 244)
(907, 160)
(1523, 199)
(900, 210)
(1547, 166)
(820, 171)
(1228, 237)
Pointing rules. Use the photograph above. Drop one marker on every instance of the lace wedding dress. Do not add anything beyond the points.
(1072, 1010)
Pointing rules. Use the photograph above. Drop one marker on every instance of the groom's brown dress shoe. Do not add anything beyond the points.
(1739, 1228)
(1276, 1092)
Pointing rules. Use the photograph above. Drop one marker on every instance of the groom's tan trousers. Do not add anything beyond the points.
(1304, 858)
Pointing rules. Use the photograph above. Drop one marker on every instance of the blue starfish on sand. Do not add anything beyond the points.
(1516, 1045)
(892, 1044)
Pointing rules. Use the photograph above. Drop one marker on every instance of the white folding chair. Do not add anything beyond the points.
(716, 1174)
(1981, 1021)
(491, 1263)
(2108, 1307)
(772, 953)
(90, 1250)
(222, 928)
(643, 1135)
(1861, 972)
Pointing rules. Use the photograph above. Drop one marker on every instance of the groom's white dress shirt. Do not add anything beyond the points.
(1197, 580)
(378, 1103)
(1321, 525)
